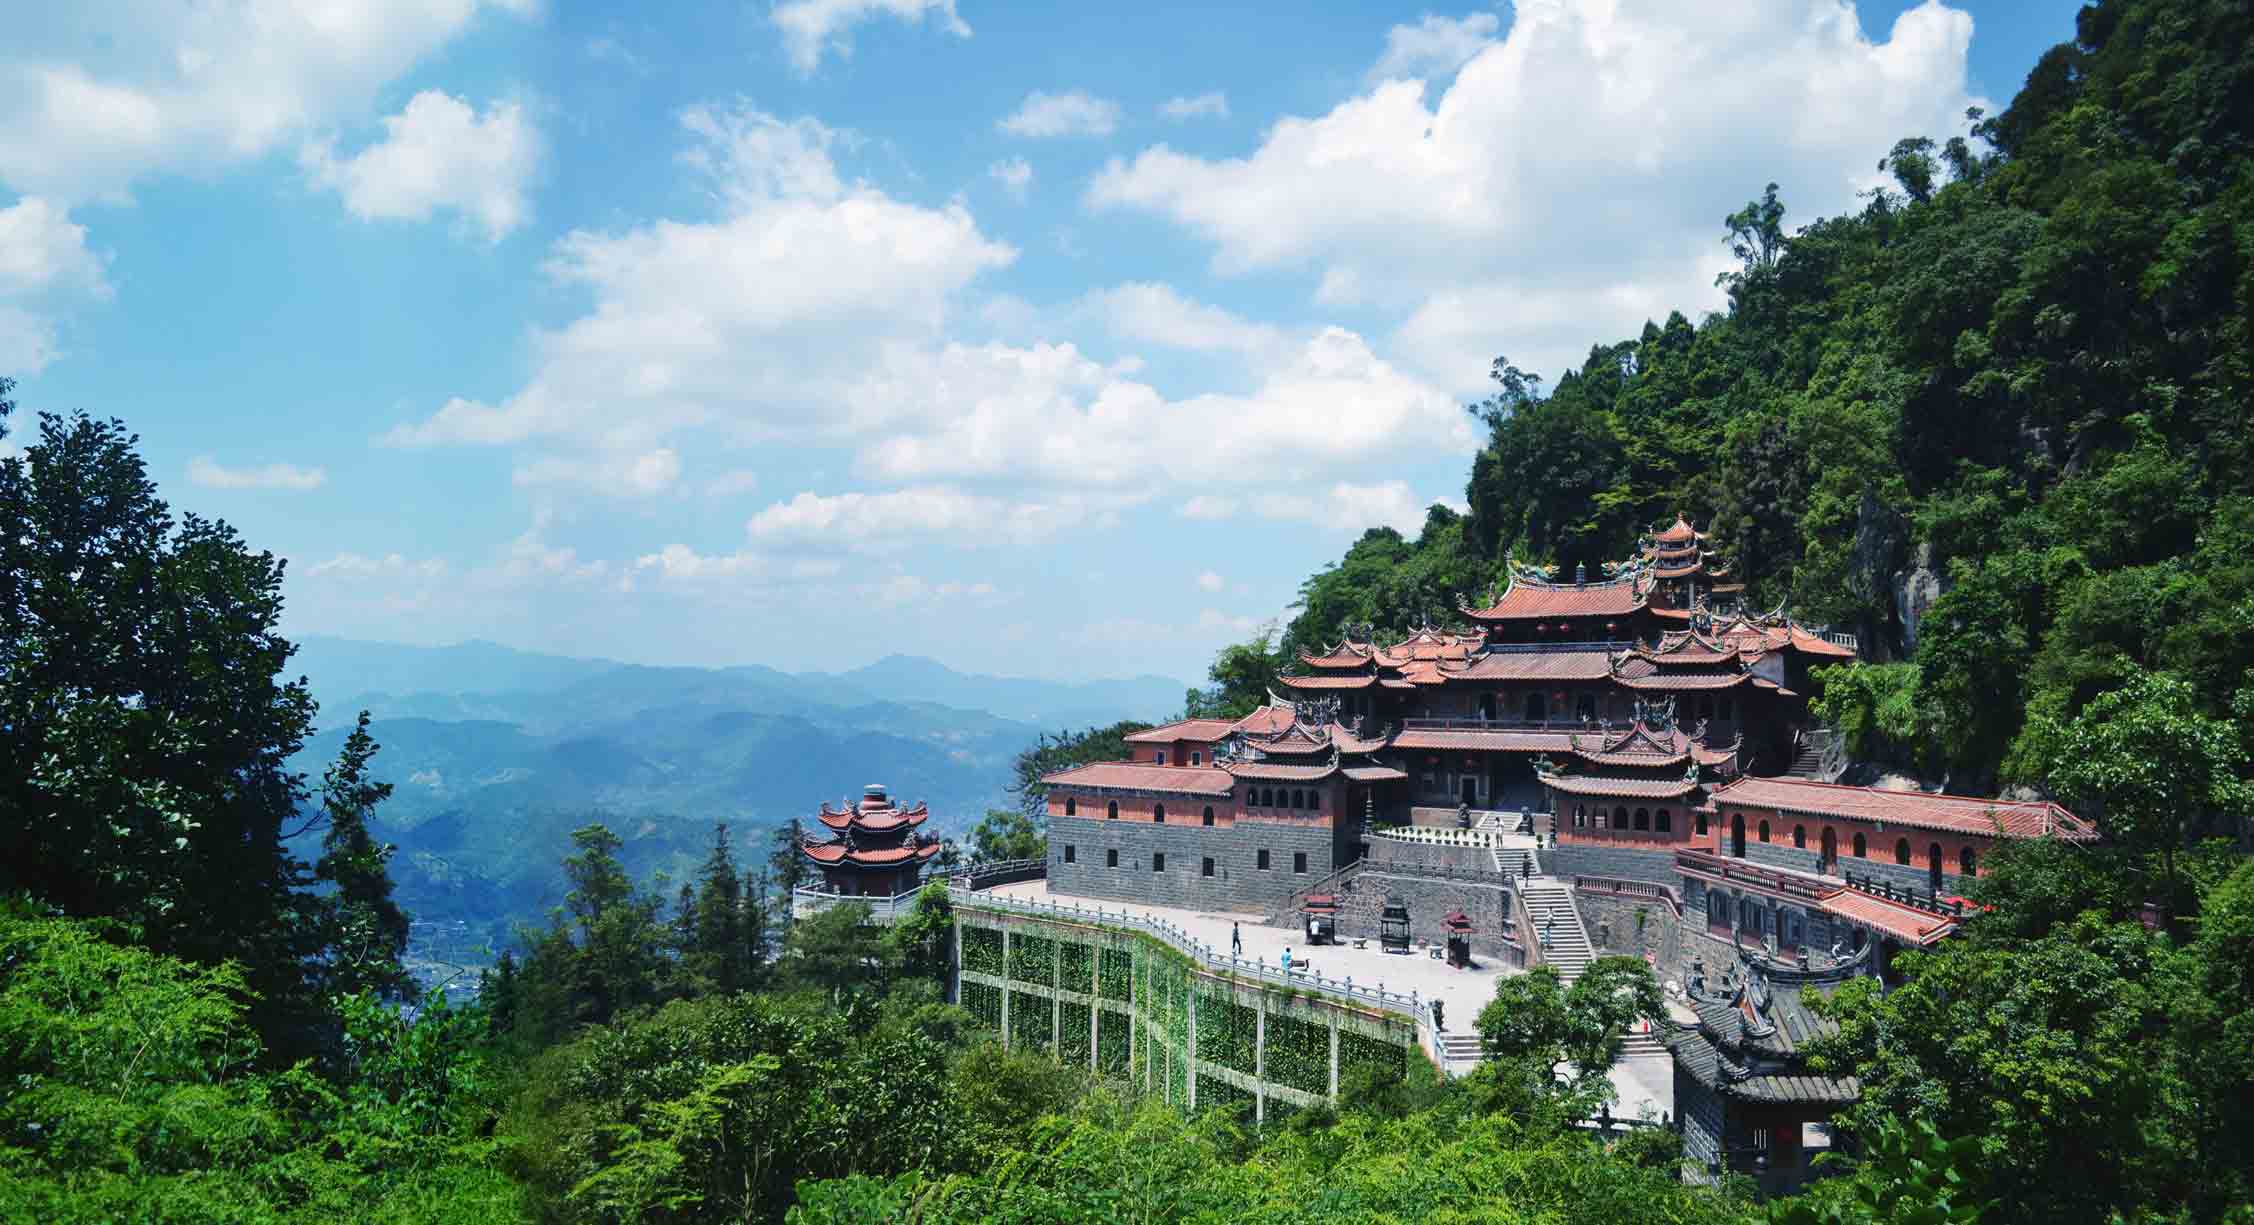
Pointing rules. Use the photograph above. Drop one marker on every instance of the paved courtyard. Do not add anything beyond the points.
(1641, 1082)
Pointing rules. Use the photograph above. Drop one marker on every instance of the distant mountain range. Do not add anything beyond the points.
(496, 754)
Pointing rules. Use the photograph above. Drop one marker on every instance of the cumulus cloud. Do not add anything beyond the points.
(1209, 581)
(388, 567)
(1214, 105)
(752, 323)
(1157, 314)
(626, 474)
(1435, 46)
(1015, 174)
(1072, 113)
(811, 28)
(46, 270)
(103, 92)
(897, 518)
(1577, 168)
(438, 153)
(681, 563)
(210, 474)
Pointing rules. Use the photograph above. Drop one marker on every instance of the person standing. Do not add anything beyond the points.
(1287, 960)
(1236, 940)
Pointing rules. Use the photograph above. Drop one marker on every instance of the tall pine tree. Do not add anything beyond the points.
(367, 931)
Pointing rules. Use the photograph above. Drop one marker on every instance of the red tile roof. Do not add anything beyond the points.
(1563, 664)
(1907, 923)
(1915, 809)
(1276, 771)
(1497, 739)
(1685, 680)
(1680, 532)
(1328, 682)
(1616, 598)
(1270, 718)
(1626, 788)
(1183, 729)
(1344, 655)
(1374, 774)
(836, 853)
(1142, 776)
(875, 817)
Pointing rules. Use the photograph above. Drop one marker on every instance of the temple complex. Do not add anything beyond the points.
(1623, 765)
(874, 849)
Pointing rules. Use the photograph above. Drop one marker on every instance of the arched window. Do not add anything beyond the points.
(1737, 835)
(1831, 850)
(1267, 797)
(1643, 818)
(1580, 816)
(1662, 822)
(1702, 825)
(1933, 867)
(1764, 831)
(1800, 837)
(1158, 814)
(1111, 811)
(1298, 799)
(1072, 806)
(1968, 864)
(1209, 814)
(1861, 850)
(1620, 817)
(1902, 851)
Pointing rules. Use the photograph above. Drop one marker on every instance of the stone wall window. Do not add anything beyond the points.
(1968, 864)
(1764, 831)
(1702, 825)
(1158, 814)
(1862, 849)
(1111, 858)
(1158, 861)
(1902, 851)
(1209, 814)
(1933, 867)
(1643, 818)
(1070, 855)
(1299, 862)
(1072, 806)
(1262, 862)
(1205, 868)
(1663, 822)
(1111, 811)
(1737, 835)
(1800, 837)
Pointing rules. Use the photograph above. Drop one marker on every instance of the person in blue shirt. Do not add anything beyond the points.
(1287, 959)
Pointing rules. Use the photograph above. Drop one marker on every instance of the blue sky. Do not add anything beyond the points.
(1050, 340)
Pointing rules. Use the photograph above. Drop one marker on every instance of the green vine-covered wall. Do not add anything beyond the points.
(1160, 1024)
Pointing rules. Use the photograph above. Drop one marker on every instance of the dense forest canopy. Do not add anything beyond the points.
(1995, 420)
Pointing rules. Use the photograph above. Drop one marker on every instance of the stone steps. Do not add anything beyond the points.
(1565, 943)
(1459, 1049)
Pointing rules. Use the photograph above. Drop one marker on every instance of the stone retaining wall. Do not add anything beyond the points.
(1139, 1011)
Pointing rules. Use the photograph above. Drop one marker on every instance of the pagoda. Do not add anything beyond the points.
(875, 850)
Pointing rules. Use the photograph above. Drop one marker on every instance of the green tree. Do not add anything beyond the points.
(367, 937)
(2150, 768)
(1005, 834)
(720, 952)
(622, 940)
(145, 773)
(1534, 1021)
(1054, 751)
(1243, 676)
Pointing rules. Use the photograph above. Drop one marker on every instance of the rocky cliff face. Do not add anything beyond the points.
(1915, 590)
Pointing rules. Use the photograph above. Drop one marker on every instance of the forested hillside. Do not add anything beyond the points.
(1997, 421)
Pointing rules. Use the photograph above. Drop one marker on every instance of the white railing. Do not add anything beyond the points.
(805, 901)
(1257, 969)
(1427, 835)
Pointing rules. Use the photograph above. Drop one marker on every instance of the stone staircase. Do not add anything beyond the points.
(1808, 763)
(1517, 862)
(1643, 1046)
(1459, 1051)
(1555, 919)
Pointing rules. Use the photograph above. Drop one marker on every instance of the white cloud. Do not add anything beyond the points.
(1209, 581)
(1352, 508)
(1435, 46)
(878, 521)
(729, 484)
(390, 566)
(752, 324)
(1015, 174)
(1213, 619)
(100, 93)
(1072, 113)
(625, 474)
(1151, 313)
(1214, 104)
(811, 27)
(910, 589)
(1209, 506)
(46, 269)
(1577, 169)
(438, 153)
(679, 562)
(1049, 412)
(208, 473)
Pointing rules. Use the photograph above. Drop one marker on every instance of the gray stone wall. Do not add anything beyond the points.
(1701, 1112)
(1429, 899)
(1426, 855)
(1571, 859)
(1880, 863)
(1238, 883)
(1631, 927)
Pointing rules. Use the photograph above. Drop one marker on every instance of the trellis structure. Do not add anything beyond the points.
(1132, 1007)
